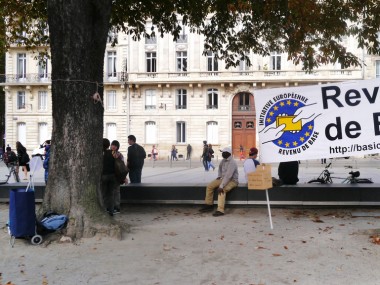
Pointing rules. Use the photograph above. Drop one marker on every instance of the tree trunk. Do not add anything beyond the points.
(78, 34)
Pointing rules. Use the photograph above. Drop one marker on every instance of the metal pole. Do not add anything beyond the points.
(269, 212)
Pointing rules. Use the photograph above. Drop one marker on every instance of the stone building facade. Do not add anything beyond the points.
(166, 93)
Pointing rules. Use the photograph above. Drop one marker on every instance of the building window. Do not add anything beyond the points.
(243, 66)
(181, 61)
(151, 61)
(275, 60)
(212, 98)
(181, 132)
(21, 133)
(181, 99)
(212, 132)
(111, 100)
(43, 69)
(21, 66)
(249, 125)
(377, 68)
(111, 64)
(42, 100)
(150, 99)
(150, 40)
(212, 62)
(150, 132)
(237, 125)
(183, 35)
(244, 102)
(111, 131)
(43, 132)
(20, 100)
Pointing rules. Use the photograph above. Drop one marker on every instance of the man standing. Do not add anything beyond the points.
(188, 151)
(228, 178)
(135, 159)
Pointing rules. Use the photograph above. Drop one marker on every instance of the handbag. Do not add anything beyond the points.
(25, 158)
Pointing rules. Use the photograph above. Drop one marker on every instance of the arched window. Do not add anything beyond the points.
(212, 132)
(111, 131)
(43, 134)
(21, 133)
(150, 132)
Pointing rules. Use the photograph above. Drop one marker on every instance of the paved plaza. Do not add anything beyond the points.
(192, 171)
(172, 244)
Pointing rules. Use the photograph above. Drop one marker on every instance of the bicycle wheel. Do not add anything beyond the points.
(15, 176)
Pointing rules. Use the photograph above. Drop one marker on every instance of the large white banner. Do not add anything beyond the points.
(320, 121)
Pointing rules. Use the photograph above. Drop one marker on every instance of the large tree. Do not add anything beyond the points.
(310, 31)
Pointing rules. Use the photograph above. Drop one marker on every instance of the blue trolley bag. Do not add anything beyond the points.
(22, 213)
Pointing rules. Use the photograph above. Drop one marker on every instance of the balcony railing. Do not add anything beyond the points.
(180, 106)
(203, 76)
(150, 107)
(211, 106)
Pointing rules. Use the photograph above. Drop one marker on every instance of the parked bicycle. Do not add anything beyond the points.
(326, 178)
(12, 172)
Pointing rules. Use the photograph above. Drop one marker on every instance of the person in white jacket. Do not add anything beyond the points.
(251, 162)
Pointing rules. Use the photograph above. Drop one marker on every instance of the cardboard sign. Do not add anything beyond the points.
(261, 179)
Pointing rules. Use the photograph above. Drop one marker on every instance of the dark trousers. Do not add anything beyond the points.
(109, 184)
(135, 175)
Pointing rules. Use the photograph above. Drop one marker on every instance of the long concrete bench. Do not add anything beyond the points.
(300, 194)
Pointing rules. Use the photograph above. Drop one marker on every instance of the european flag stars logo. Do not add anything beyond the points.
(294, 134)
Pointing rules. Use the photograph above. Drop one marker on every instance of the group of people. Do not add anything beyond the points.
(110, 185)
(173, 152)
(21, 159)
(207, 156)
(228, 178)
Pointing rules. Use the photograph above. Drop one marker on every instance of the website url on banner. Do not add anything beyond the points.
(354, 148)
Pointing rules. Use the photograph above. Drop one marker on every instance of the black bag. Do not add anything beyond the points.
(121, 170)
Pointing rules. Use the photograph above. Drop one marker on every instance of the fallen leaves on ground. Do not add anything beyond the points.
(375, 239)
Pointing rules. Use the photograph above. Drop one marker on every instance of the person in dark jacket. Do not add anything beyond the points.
(46, 162)
(109, 182)
(287, 173)
(135, 159)
(23, 159)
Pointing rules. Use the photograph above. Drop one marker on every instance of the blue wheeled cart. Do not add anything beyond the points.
(22, 216)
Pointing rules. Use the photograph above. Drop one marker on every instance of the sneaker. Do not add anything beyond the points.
(217, 214)
(207, 208)
(116, 211)
(110, 212)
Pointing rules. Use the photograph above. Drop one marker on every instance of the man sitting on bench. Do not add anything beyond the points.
(228, 179)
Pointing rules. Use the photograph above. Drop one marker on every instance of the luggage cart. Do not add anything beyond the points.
(22, 211)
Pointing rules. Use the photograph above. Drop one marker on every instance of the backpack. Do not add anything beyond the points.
(121, 170)
(53, 222)
(256, 162)
(9, 157)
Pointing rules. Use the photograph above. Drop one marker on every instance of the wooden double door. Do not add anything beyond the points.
(243, 124)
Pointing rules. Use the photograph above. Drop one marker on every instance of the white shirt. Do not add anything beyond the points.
(249, 166)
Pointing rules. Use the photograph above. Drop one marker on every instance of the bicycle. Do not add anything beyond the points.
(326, 178)
(12, 172)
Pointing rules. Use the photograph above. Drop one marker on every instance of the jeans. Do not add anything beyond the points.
(135, 175)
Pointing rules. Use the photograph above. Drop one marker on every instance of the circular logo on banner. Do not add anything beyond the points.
(294, 133)
(287, 121)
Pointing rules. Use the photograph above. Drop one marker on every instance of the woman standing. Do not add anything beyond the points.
(23, 159)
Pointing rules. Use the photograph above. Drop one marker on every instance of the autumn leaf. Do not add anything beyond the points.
(276, 254)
